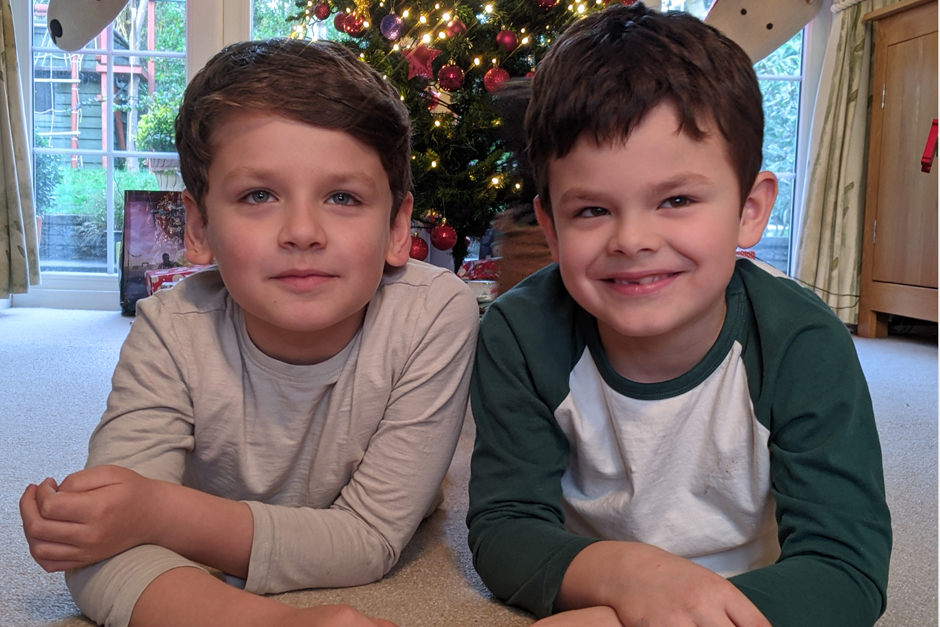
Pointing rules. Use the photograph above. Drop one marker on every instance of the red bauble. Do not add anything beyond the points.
(443, 236)
(419, 248)
(494, 77)
(321, 11)
(354, 25)
(546, 4)
(431, 99)
(450, 77)
(339, 21)
(507, 40)
(455, 27)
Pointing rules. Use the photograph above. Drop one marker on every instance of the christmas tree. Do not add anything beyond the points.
(448, 60)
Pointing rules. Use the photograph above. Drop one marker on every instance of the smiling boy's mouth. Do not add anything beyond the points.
(646, 280)
(642, 280)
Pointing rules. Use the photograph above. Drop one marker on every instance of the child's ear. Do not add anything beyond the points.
(757, 207)
(399, 245)
(197, 244)
(548, 227)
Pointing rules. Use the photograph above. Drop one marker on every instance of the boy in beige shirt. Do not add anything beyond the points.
(286, 418)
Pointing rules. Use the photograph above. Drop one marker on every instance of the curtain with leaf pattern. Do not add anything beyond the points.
(19, 254)
(829, 251)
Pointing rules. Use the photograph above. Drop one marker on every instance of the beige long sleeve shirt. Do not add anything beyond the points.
(338, 461)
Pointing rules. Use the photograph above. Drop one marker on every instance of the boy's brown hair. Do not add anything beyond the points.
(608, 70)
(320, 83)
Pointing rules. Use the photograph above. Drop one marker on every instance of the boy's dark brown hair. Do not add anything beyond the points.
(320, 83)
(608, 70)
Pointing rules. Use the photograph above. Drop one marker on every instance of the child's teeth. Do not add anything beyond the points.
(644, 281)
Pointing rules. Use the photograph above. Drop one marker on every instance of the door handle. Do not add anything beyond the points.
(930, 149)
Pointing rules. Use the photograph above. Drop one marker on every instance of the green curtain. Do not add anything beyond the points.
(19, 254)
(829, 250)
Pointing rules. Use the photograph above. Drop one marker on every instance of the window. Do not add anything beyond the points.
(103, 124)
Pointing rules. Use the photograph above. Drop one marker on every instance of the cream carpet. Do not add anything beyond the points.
(55, 368)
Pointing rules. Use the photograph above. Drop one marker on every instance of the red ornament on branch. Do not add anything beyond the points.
(354, 25)
(546, 4)
(494, 77)
(450, 77)
(455, 27)
(443, 237)
(431, 99)
(419, 248)
(339, 21)
(507, 40)
(321, 11)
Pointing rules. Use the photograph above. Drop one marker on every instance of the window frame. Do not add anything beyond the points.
(210, 25)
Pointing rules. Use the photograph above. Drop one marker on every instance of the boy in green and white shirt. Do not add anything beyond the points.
(667, 435)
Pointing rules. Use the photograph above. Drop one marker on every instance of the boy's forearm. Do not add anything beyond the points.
(191, 596)
(595, 576)
(207, 529)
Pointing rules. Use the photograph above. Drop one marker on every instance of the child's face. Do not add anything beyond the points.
(645, 231)
(298, 223)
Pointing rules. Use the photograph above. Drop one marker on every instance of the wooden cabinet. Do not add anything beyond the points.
(899, 249)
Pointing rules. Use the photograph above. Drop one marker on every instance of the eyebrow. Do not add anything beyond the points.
(679, 180)
(584, 194)
(340, 179)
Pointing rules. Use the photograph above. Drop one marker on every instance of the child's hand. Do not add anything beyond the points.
(648, 586)
(92, 515)
(599, 616)
(331, 616)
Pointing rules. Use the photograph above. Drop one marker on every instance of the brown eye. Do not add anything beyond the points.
(677, 201)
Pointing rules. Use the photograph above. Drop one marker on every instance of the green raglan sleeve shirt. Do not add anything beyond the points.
(807, 389)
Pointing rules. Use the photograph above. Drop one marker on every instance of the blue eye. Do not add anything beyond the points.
(343, 198)
(259, 196)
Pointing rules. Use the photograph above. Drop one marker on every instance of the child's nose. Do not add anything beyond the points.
(302, 227)
(635, 233)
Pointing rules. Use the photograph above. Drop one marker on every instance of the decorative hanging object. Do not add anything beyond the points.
(431, 98)
(450, 77)
(392, 27)
(494, 77)
(321, 11)
(420, 59)
(338, 22)
(455, 27)
(443, 237)
(546, 4)
(507, 40)
(419, 248)
(354, 25)
(432, 217)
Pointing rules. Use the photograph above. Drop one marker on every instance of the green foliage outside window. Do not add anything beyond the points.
(82, 191)
(155, 129)
(48, 174)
